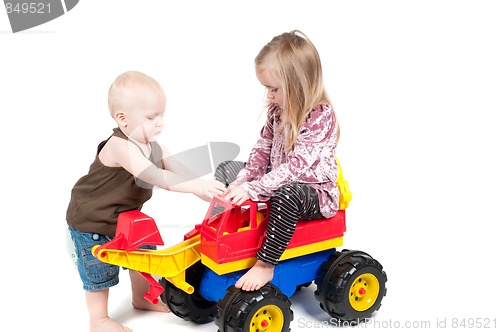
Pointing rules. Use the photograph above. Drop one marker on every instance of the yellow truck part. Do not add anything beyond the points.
(170, 263)
(343, 185)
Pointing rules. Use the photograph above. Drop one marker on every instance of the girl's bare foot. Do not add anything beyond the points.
(107, 325)
(259, 275)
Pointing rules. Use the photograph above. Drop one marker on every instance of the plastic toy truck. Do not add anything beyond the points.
(197, 276)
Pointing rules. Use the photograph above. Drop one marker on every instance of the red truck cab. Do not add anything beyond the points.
(231, 235)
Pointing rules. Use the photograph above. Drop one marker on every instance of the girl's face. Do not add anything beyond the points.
(145, 116)
(271, 83)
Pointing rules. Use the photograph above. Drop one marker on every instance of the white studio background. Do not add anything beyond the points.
(415, 85)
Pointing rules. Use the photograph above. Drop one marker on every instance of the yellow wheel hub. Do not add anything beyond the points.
(269, 318)
(364, 292)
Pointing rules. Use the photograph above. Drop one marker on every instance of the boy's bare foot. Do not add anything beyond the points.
(143, 304)
(107, 325)
(139, 287)
(259, 275)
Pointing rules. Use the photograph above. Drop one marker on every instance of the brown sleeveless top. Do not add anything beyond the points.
(98, 197)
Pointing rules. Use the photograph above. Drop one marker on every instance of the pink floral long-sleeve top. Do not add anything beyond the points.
(311, 161)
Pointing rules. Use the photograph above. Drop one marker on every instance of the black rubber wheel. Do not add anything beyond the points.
(190, 307)
(351, 285)
(264, 309)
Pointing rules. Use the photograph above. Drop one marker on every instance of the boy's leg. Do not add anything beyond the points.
(97, 278)
(140, 286)
(97, 305)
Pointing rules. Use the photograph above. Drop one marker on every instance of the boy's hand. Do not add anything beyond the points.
(207, 189)
(236, 195)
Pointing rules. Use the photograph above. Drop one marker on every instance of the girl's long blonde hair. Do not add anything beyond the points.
(293, 59)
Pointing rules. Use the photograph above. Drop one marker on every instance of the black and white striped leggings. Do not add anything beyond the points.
(289, 203)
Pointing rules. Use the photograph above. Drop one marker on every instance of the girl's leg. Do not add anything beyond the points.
(289, 204)
(227, 171)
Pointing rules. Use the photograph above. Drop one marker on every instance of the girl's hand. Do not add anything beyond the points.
(236, 195)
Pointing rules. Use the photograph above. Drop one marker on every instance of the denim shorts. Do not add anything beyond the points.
(95, 275)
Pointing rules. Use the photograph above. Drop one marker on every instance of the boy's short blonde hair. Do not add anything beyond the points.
(129, 85)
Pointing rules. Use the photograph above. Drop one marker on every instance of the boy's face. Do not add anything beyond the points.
(144, 115)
